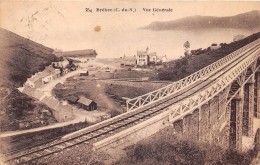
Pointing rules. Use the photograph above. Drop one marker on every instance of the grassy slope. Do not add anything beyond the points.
(20, 58)
(166, 148)
(186, 66)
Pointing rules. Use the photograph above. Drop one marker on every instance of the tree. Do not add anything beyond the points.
(61, 58)
(71, 65)
(186, 46)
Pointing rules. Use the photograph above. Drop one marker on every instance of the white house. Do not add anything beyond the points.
(162, 59)
(153, 58)
(238, 37)
(35, 81)
(142, 58)
(214, 46)
(47, 79)
(61, 64)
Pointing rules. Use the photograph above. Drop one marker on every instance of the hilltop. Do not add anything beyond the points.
(20, 58)
(246, 20)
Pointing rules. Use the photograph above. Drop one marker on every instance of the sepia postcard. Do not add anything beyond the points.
(125, 82)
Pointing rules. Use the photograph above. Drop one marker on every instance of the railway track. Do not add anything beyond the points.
(99, 131)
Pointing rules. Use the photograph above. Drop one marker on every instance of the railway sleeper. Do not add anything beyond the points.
(88, 136)
(107, 129)
(47, 150)
(80, 139)
(60, 146)
(24, 159)
(54, 149)
(43, 152)
(95, 134)
(102, 131)
(69, 144)
(37, 155)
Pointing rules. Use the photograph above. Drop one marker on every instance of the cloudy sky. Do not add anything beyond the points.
(44, 21)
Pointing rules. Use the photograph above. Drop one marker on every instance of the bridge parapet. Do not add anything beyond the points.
(189, 105)
(173, 88)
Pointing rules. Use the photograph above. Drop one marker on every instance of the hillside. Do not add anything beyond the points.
(183, 67)
(20, 58)
(246, 20)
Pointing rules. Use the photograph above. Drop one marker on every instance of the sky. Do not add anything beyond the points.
(42, 21)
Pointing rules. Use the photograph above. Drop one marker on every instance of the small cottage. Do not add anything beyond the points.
(129, 60)
(83, 73)
(153, 58)
(214, 46)
(162, 59)
(34, 82)
(60, 64)
(72, 99)
(47, 79)
(87, 104)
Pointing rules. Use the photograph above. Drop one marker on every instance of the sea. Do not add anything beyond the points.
(117, 43)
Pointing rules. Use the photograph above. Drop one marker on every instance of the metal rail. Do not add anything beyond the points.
(117, 125)
(187, 106)
(153, 96)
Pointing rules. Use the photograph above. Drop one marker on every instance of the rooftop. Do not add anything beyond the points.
(152, 54)
(141, 53)
(72, 98)
(85, 101)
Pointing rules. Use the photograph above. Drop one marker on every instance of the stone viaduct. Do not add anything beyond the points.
(224, 108)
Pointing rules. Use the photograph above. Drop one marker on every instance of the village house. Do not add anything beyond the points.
(129, 61)
(162, 59)
(87, 104)
(153, 58)
(83, 73)
(238, 37)
(72, 99)
(47, 79)
(214, 46)
(57, 73)
(56, 64)
(142, 58)
(65, 70)
(35, 81)
(60, 64)
(49, 74)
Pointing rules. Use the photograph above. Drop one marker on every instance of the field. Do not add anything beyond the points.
(108, 94)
